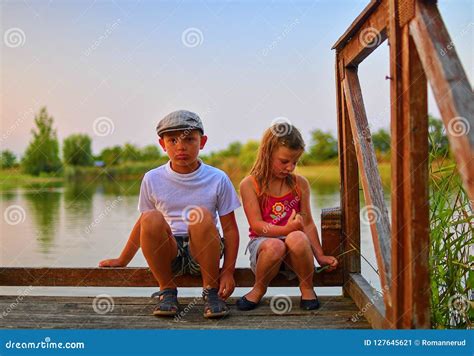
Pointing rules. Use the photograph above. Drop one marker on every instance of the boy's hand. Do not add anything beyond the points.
(330, 261)
(112, 262)
(295, 222)
(226, 285)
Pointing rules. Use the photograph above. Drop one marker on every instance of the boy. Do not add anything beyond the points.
(179, 204)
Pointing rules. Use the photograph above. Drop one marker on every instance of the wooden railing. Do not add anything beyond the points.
(420, 49)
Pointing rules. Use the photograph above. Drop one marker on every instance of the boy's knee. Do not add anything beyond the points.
(152, 219)
(273, 248)
(297, 241)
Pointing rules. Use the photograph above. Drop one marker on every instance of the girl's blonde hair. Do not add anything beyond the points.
(279, 134)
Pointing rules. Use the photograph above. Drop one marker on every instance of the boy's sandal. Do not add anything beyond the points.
(214, 307)
(309, 304)
(167, 302)
(245, 304)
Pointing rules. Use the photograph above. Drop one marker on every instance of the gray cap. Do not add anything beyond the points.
(179, 120)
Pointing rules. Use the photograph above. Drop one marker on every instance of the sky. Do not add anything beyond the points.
(113, 69)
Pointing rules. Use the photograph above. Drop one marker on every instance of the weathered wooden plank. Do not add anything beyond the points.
(349, 171)
(368, 300)
(132, 277)
(78, 312)
(376, 213)
(450, 86)
(365, 34)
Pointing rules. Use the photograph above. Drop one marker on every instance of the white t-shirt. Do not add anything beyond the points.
(175, 194)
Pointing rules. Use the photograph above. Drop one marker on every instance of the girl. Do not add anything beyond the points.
(282, 230)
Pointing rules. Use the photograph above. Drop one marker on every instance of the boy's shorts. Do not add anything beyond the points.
(253, 247)
(184, 263)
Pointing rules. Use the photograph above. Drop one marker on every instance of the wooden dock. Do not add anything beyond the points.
(41, 312)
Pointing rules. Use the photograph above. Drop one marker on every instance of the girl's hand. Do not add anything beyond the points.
(295, 222)
(330, 261)
(112, 262)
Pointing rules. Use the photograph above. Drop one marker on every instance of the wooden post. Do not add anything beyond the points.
(349, 182)
(410, 225)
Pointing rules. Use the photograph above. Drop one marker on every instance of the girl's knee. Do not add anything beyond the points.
(274, 248)
(297, 241)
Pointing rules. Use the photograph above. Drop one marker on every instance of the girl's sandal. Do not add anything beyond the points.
(309, 304)
(245, 305)
(167, 302)
(214, 307)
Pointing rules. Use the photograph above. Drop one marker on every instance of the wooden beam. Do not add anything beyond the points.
(349, 171)
(368, 300)
(331, 235)
(365, 34)
(410, 201)
(450, 86)
(371, 182)
(132, 277)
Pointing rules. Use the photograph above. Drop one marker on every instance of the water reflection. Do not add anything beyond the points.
(44, 207)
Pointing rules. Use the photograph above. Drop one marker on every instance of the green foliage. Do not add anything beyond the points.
(7, 159)
(381, 140)
(42, 154)
(111, 156)
(130, 153)
(323, 146)
(438, 142)
(451, 238)
(150, 153)
(77, 150)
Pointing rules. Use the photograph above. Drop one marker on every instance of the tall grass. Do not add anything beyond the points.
(451, 247)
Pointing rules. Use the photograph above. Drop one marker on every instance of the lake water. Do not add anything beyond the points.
(77, 225)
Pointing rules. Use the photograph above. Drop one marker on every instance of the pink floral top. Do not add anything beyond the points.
(277, 210)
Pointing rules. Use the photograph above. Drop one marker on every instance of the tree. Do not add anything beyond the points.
(7, 159)
(381, 140)
(77, 150)
(111, 156)
(150, 153)
(323, 146)
(42, 154)
(130, 153)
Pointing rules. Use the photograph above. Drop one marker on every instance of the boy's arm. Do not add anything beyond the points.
(310, 227)
(254, 215)
(231, 248)
(128, 252)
